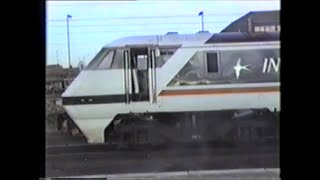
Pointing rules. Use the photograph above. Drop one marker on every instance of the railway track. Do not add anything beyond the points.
(260, 173)
(91, 148)
(158, 161)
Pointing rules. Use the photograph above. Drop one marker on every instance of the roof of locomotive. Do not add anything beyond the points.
(198, 38)
(168, 39)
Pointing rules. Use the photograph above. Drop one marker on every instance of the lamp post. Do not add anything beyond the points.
(202, 25)
(68, 39)
(57, 56)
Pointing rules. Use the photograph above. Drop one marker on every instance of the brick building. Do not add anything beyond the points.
(59, 78)
(256, 21)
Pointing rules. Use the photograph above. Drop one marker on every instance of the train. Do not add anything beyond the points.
(180, 88)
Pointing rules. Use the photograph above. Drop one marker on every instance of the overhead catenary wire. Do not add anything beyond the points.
(124, 24)
(144, 17)
(96, 3)
(136, 27)
(121, 31)
(135, 24)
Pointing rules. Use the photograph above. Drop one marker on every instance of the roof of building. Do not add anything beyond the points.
(57, 72)
(264, 16)
(229, 37)
(54, 70)
(257, 17)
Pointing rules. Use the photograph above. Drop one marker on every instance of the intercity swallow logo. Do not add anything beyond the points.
(239, 67)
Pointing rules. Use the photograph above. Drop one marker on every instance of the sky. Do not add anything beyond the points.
(96, 23)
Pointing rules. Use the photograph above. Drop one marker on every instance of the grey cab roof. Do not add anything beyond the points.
(198, 39)
(168, 39)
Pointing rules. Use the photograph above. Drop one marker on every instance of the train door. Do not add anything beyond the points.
(139, 75)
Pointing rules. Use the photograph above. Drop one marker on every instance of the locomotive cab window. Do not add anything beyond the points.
(117, 62)
(106, 61)
(142, 62)
(102, 60)
(212, 62)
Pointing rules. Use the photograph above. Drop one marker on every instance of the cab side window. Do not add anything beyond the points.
(212, 62)
(165, 54)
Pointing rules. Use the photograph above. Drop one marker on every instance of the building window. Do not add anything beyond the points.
(256, 29)
(212, 62)
(267, 28)
(273, 28)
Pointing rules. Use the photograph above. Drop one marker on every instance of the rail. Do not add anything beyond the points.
(95, 148)
(261, 173)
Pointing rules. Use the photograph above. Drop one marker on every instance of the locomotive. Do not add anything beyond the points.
(202, 87)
